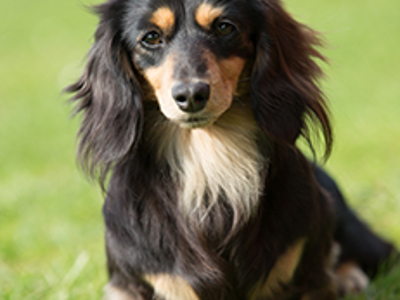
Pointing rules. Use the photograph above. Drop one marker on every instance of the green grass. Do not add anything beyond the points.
(51, 236)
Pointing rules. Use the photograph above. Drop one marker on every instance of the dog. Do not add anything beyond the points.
(191, 110)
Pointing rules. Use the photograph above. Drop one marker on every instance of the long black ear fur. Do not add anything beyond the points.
(285, 93)
(109, 98)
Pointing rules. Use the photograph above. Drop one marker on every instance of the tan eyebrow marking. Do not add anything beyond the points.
(164, 18)
(206, 14)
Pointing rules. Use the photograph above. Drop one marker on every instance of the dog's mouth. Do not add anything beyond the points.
(195, 122)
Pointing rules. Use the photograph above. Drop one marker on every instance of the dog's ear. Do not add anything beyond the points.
(285, 93)
(109, 98)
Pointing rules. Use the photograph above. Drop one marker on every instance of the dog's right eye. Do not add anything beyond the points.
(152, 39)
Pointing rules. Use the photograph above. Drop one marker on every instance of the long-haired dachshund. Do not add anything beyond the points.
(194, 108)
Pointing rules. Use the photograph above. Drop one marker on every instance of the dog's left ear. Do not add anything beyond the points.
(284, 90)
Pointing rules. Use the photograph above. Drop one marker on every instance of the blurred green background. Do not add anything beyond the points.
(51, 231)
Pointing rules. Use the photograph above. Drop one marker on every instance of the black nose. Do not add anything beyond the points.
(191, 97)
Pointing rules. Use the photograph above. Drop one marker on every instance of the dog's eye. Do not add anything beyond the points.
(225, 28)
(152, 39)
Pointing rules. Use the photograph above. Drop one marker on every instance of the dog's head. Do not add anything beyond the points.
(195, 58)
(192, 54)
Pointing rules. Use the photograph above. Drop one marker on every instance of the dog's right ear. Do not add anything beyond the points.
(109, 98)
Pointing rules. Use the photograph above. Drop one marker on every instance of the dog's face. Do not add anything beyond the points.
(192, 54)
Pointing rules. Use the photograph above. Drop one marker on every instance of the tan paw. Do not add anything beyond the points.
(352, 279)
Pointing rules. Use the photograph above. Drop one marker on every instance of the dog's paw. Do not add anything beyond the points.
(351, 278)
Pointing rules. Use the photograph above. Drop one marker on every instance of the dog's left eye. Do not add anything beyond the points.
(152, 39)
(224, 28)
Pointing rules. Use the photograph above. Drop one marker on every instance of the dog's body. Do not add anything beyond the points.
(196, 106)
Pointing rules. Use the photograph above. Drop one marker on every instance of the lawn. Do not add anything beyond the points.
(51, 236)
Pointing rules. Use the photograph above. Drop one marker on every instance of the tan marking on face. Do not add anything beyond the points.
(161, 81)
(164, 18)
(171, 287)
(223, 76)
(157, 76)
(281, 273)
(206, 14)
(232, 69)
